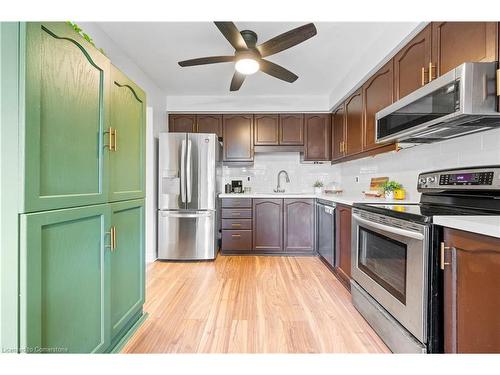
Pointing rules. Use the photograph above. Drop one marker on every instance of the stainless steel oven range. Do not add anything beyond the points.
(396, 279)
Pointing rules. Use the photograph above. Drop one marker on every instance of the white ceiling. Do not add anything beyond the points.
(339, 50)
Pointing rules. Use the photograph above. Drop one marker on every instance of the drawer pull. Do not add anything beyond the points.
(235, 235)
(236, 213)
(235, 225)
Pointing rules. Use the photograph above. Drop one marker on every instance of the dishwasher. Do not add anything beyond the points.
(325, 230)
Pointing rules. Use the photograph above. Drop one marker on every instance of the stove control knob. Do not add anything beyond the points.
(422, 180)
(431, 180)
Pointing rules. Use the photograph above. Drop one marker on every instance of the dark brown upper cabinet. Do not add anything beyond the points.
(298, 227)
(354, 123)
(266, 130)
(470, 291)
(317, 130)
(377, 94)
(454, 43)
(237, 132)
(338, 132)
(209, 124)
(182, 123)
(411, 64)
(291, 129)
(268, 225)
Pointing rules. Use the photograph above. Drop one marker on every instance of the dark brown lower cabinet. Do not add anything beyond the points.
(471, 294)
(298, 227)
(343, 244)
(268, 225)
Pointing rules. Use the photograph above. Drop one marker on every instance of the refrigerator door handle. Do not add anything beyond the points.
(189, 177)
(183, 171)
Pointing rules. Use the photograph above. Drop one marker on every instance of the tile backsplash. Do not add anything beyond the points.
(264, 172)
(353, 177)
(479, 149)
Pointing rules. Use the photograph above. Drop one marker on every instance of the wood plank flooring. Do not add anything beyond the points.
(250, 304)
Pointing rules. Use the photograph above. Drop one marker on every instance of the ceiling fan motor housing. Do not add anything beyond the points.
(250, 38)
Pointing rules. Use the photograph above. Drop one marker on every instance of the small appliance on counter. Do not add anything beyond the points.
(237, 186)
(397, 255)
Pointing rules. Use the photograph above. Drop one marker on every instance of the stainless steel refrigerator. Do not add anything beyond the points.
(189, 180)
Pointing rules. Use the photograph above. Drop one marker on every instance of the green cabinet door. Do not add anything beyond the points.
(128, 121)
(65, 82)
(64, 280)
(127, 264)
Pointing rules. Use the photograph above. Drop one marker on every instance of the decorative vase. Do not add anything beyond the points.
(389, 195)
(318, 190)
(399, 194)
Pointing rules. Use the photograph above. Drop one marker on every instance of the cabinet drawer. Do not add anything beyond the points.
(228, 213)
(236, 223)
(236, 202)
(236, 240)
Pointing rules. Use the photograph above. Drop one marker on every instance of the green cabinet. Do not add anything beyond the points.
(127, 263)
(64, 280)
(128, 126)
(66, 87)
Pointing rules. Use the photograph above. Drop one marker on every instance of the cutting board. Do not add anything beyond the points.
(377, 182)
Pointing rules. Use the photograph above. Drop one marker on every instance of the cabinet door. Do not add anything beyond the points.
(471, 297)
(128, 121)
(64, 273)
(338, 133)
(182, 123)
(66, 109)
(298, 227)
(268, 225)
(377, 94)
(266, 130)
(238, 137)
(317, 129)
(209, 124)
(291, 130)
(127, 264)
(343, 243)
(454, 43)
(354, 124)
(411, 64)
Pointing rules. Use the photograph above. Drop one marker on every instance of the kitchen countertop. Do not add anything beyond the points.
(487, 225)
(348, 200)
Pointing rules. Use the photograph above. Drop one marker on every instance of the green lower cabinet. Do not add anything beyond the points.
(64, 280)
(127, 265)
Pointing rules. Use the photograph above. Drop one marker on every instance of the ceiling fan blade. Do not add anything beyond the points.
(206, 60)
(237, 81)
(287, 40)
(232, 34)
(277, 71)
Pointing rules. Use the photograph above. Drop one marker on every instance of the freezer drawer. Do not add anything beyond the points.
(186, 235)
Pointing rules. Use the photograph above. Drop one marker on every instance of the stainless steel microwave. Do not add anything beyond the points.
(460, 102)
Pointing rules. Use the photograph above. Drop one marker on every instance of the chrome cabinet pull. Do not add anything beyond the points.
(442, 262)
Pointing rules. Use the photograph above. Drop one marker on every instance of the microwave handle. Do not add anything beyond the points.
(386, 228)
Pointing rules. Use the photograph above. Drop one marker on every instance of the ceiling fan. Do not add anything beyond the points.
(249, 57)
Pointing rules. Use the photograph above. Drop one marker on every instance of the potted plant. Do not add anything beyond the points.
(318, 187)
(390, 187)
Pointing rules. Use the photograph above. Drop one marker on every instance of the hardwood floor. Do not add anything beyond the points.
(250, 304)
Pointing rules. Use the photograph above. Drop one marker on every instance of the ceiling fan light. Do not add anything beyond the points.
(247, 66)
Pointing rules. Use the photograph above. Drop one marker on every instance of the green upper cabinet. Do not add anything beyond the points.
(128, 126)
(66, 85)
(127, 264)
(64, 280)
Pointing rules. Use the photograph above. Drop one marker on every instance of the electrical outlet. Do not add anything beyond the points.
(356, 179)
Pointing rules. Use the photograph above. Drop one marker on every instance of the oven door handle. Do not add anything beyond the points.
(386, 228)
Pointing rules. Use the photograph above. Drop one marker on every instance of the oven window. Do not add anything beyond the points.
(384, 260)
(437, 104)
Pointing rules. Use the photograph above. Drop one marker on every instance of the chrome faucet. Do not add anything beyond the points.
(287, 179)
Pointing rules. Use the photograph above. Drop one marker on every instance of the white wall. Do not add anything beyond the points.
(264, 171)
(479, 149)
(156, 101)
